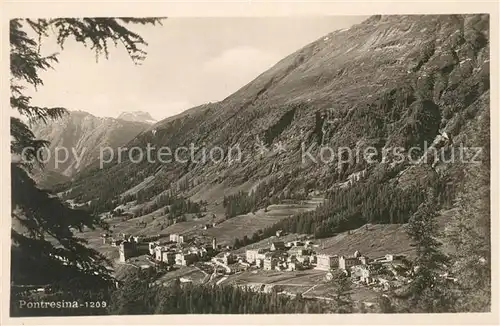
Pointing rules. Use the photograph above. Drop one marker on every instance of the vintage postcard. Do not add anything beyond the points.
(249, 165)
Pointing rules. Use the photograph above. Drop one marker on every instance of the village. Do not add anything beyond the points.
(176, 251)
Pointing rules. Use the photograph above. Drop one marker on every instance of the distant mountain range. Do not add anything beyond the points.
(84, 134)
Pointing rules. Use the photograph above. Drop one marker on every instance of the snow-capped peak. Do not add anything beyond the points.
(137, 116)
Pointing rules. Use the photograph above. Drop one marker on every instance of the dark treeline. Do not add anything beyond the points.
(239, 203)
(110, 184)
(105, 192)
(346, 209)
(159, 195)
(139, 297)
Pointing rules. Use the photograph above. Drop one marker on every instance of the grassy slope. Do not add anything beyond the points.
(375, 241)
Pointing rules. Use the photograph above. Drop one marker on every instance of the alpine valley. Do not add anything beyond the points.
(420, 83)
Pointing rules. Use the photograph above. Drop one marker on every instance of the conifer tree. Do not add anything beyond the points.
(429, 291)
(342, 292)
(44, 247)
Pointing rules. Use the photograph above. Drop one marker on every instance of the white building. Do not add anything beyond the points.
(326, 262)
(346, 263)
(253, 254)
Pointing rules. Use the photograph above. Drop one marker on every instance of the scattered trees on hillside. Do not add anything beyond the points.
(237, 204)
(468, 287)
(421, 125)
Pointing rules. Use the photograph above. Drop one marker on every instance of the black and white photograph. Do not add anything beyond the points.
(327, 164)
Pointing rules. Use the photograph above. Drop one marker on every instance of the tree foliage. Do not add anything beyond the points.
(342, 292)
(45, 249)
(429, 291)
(141, 296)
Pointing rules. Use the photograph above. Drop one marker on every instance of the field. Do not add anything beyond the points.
(310, 283)
(295, 282)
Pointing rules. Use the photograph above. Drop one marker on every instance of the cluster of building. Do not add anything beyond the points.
(299, 255)
(124, 237)
(129, 245)
(368, 271)
(175, 250)
(329, 262)
(295, 255)
(178, 251)
(291, 256)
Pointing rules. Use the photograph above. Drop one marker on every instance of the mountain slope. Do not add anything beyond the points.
(391, 81)
(82, 135)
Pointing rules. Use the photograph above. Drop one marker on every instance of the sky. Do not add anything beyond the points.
(190, 61)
